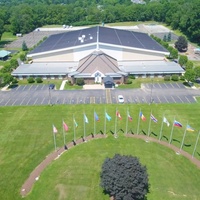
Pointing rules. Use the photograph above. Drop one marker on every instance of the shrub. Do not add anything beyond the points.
(175, 77)
(80, 81)
(128, 81)
(14, 81)
(167, 78)
(39, 80)
(30, 80)
(182, 78)
(131, 76)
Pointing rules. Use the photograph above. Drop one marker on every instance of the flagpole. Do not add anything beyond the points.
(196, 144)
(74, 129)
(105, 123)
(183, 137)
(149, 124)
(115, 122)
(138, 122)
(161, 128)
(171, 132)
(63, 132)
(94, 123)
(54, 139)
(84, 125)
(127, 120)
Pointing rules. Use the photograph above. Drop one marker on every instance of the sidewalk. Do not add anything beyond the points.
(93, 87)
(63, 85)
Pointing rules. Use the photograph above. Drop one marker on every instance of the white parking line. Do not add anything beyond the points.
(14, 102)
(28, 102)
(22, 101)
(180, 99)
(35, 101)
(24, 88)
(36, 87)
(166, 99)
(7, 102)
(43, 100)
(30, 87)
(159, 101)
(173, 99)
(172, 85)
(178, 85)
(187, 99)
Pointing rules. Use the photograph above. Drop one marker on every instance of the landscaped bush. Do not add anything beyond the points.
(30, 80)
(14, 81)
(38, 80)
(131, 76)
(167, 78)
(69, 83)
(175, 77)
(118, 82)
(128, 81)
(182, 78)
(80, 81)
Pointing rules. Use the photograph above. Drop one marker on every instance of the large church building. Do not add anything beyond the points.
(95, 53)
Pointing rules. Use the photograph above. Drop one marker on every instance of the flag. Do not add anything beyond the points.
(96, 116)
(129, 117)
(142, 116)
(153, 118)
(108, 117)
(118, 115)
(178, 124)
(189, 128)
(65, 126)
(54, 129)
(76, 125)
(166, 121)
(86, 119)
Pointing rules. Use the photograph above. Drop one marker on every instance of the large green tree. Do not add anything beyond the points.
(123, 177)
(181, 44)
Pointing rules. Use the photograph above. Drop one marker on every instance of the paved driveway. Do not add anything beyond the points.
(148, 93)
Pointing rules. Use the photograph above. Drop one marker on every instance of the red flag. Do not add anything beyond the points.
(118, 115)
(65, 126)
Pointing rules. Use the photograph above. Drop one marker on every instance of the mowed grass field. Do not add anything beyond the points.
(26, 138)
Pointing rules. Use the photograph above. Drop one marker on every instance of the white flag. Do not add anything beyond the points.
(86, 119)
(165, 121)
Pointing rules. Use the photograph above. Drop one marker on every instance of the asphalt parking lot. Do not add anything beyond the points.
(148, 93)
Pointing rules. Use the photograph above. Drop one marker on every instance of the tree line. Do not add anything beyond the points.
(23, 16)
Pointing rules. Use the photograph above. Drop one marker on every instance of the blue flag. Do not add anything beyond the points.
(96, 116)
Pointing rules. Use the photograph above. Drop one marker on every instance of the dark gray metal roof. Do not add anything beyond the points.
(97, 35)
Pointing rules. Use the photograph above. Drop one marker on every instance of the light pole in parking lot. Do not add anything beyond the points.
(151, 99)
(49, 94)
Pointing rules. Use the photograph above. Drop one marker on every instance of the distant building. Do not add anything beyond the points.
(95, 53)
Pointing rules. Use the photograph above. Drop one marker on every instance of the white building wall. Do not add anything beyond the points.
(114, 52)
(64, 56)
(135, 55)
(82, 52)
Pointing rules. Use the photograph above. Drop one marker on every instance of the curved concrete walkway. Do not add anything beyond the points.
(34, 176)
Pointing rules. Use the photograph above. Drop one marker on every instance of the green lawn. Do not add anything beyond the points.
(57, 82)
(136, 83)
(26, 138)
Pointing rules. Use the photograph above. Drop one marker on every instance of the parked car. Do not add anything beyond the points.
(51, 86)
(120, 99)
